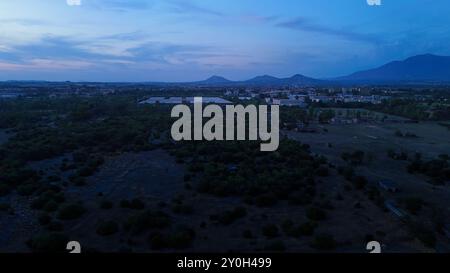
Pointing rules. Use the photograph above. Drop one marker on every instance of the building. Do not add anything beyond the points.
(288, 102)
(181, 100)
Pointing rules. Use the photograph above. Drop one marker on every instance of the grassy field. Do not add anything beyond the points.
(431, 140)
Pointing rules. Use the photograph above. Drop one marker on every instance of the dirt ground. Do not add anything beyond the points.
(375, 139)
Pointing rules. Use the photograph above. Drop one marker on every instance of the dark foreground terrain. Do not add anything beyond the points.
(103, 171)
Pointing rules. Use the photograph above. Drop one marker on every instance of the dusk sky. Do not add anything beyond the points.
(176, 40)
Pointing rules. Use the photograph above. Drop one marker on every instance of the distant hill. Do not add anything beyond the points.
(426, 68)
(265, 80)
(214, 80)
(273, 81)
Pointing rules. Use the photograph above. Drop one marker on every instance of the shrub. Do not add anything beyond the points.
(148, 219)
(228, 217)
(423, 233)
(181, 238)
(55, 226)
(413, 204)
(125, 204)
(51, 206)
(277, 246)
(51, 242)
(307, 229)
(359, 182)
(270, 231)
(324, 242)
(71, 212)
(322, 171)
(107, 228)
(44, 219)
(26, 189)
(182, 209)
(137, 204)
(157, 241)
(106, 204)
(266, 200)
(50, 196)
(4, 189)
(247, 234)
(5, 206)
(316, 214)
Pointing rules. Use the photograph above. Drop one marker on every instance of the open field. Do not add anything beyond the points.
(375, 140)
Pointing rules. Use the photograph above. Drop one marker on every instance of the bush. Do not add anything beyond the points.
(266, 200)
(107, 228)
(423, 233)
(181, 238)
(26, 189)
(135, 204)
(50, 243)
(4, 190)
(157, 241)
(307, 229)
(182, 209)
(105, 204)
(228, 217)
(51, 206)
(322, 171)
(125, 204)
(270, 231)
(149, 219)
(44, 219)
(247, 234)
(316, 214)
(359, 182)
(413, 204)
(55, 226)
(50, 196)
(5, 206)
(324, 242)
(277, 246)
(71, 212)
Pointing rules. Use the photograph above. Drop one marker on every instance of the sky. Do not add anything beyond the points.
(188, 40)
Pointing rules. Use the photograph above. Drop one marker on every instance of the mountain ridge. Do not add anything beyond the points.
(418, 68)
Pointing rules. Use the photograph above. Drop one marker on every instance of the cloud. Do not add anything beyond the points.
(121, 5)
(62, 52)
(303, 24)
(127, 36)
(24, 22)
(73, 2)
(45, 64)
(256, 19)
(189, 7)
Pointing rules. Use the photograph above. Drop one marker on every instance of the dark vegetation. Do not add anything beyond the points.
(83, 132)
(438, 170)
(261, 179)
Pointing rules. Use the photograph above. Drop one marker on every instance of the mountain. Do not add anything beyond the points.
(215, 80)
(265, 80)
(426, 68)
(297, 79)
